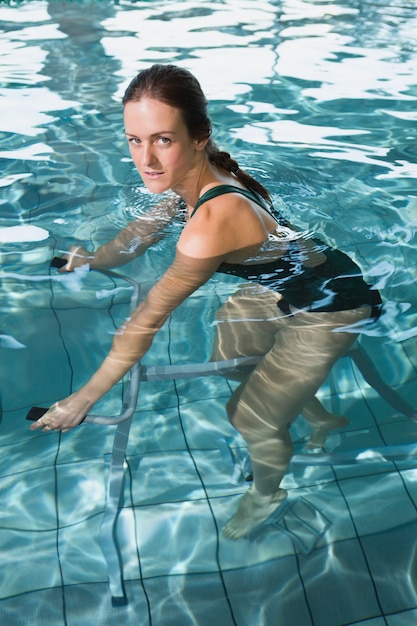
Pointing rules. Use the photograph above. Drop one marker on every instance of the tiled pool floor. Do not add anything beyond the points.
(341, 553)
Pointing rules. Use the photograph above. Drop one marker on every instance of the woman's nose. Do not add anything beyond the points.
(148, 157)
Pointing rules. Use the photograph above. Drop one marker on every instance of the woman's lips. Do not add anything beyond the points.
(153, 174)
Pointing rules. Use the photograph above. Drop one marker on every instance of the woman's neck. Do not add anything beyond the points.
(205, 177)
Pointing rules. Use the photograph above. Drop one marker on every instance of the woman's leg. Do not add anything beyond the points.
(247, 324)
(321, 421)
(274, 394)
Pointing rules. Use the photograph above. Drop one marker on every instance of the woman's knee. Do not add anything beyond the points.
(242, 424)
(250, 424)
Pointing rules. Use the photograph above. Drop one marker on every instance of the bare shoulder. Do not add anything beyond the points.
(222, 225)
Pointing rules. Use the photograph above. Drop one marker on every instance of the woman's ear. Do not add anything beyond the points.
(200, 144)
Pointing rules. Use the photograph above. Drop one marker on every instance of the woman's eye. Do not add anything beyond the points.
(134, 140)
(164, 140)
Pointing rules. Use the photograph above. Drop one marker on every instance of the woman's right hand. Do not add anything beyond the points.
(76, 257)
(65, 414)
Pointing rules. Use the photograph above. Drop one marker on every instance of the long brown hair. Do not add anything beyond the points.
(178, 88)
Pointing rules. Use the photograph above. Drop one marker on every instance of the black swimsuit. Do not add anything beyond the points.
(335, 285)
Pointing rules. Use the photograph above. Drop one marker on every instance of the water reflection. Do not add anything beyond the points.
(151, 35)
(80, 67)
(317, 98)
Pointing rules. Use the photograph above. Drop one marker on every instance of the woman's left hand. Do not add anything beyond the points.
(64, 414)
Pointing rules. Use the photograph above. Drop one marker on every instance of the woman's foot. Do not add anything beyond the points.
(253, 509)
(321, 429)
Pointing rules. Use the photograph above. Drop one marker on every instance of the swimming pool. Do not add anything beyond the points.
(318, 100)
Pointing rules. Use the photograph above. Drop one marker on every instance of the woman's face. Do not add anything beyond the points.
(160, 145)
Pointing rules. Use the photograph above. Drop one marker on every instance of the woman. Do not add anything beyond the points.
(299, 308)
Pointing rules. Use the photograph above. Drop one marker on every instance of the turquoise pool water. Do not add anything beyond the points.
(316, 98)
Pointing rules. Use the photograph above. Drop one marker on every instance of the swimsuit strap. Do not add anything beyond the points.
(222, 189)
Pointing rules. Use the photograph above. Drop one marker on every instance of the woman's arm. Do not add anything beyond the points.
(205, 242)
(133, 338)
(130, 242)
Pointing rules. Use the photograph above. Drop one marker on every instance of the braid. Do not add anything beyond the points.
(224, 160)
